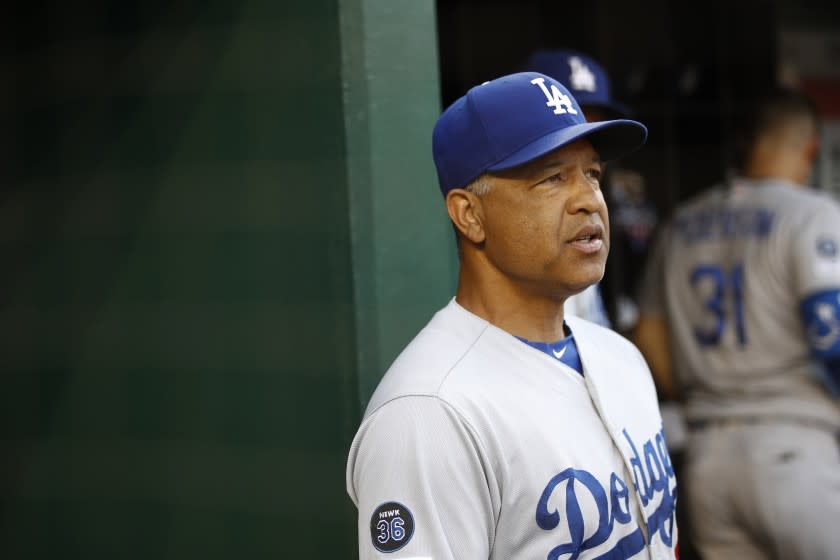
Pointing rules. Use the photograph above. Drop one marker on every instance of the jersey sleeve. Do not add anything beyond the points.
(422, 484)
(820, 313)
(816, 251)
(816, 254)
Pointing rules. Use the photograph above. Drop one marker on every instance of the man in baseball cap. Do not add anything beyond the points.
(502, 413)
(513, 121)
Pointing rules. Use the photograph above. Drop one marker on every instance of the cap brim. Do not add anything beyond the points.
(611, 139)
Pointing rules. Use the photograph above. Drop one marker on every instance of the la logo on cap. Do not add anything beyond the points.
(560, 101)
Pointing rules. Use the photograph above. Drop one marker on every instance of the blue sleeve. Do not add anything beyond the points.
(820, 314)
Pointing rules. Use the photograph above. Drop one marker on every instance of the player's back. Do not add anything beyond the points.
(734, 281)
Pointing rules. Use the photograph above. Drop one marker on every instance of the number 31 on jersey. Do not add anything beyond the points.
(720, 285)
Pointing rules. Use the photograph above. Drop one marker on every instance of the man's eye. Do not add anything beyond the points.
(594, 174)
(556, 178)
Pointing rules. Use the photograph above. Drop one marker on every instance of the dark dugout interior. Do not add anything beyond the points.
(682, 67)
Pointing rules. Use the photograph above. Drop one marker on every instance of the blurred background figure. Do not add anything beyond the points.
(740, 317)
(632, 217)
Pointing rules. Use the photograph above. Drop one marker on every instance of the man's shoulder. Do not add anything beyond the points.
(589, 333)
(605, 349)
(423, 366)
(613, 364)
(787, 192)
(799, 208)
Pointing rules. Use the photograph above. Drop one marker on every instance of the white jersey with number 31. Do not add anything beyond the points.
(740, 259)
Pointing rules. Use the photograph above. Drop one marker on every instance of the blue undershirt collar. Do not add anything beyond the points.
(564, 350)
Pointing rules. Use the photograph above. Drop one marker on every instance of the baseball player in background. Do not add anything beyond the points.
(505, 429)
(745, 282)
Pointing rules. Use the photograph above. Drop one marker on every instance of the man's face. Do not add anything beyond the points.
(546, 224)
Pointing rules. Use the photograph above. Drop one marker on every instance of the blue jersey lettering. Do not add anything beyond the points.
(726, 223)
(653, 473)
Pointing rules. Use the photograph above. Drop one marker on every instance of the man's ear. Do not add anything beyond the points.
(465, 211)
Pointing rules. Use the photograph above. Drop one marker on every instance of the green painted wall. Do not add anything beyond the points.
(218, 224)
(403, 246)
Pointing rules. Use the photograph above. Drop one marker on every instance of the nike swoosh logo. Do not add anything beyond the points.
(559, 354)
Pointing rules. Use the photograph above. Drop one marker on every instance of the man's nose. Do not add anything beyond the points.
(586, 196)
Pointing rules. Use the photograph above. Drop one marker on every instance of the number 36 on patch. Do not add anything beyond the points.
(391, 527)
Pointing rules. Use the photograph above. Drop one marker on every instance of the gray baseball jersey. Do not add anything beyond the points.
(478, 446)
(729, 274)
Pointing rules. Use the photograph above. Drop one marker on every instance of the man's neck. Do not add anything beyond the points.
(519, 312)
(775, 171)
(789, 165)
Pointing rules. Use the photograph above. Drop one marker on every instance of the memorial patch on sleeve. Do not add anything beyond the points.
(391, 527)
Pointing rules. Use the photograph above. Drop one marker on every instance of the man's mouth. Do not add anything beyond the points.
(589, 239)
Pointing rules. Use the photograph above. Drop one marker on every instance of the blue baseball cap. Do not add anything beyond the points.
(581, 74)
(515, 119)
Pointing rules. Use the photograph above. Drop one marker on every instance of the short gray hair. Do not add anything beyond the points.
(480, 186)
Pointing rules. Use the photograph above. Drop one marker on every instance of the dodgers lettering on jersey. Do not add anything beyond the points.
(652, 477)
